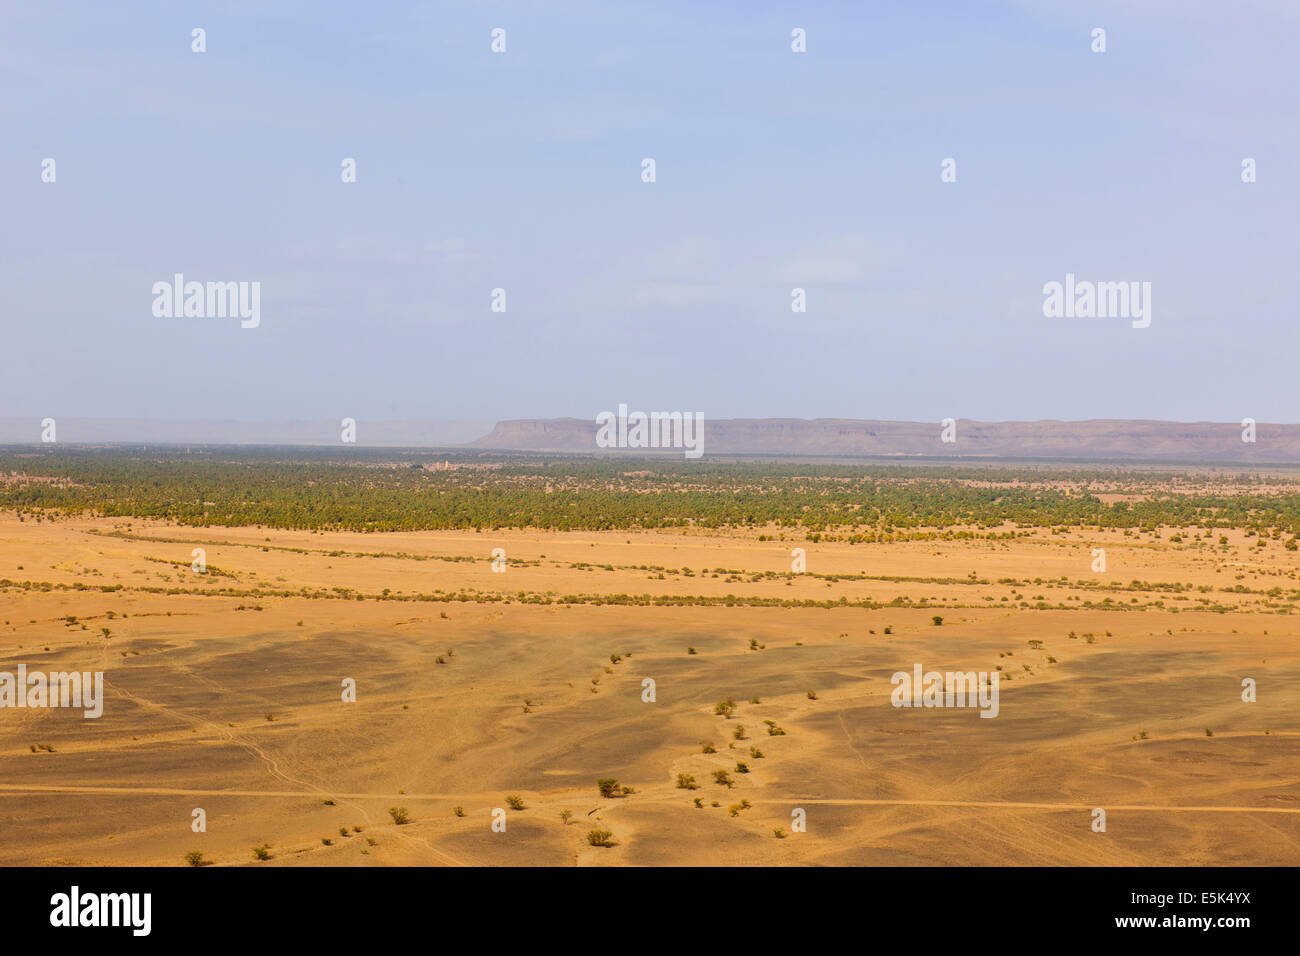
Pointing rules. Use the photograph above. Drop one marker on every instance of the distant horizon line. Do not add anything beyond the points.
(7, 420)
(1095, 439)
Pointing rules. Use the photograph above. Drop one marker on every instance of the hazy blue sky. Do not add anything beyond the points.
(522, 170)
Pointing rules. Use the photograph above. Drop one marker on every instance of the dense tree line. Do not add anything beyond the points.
(385, 490)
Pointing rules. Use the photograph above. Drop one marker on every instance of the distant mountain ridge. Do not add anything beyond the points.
(1092, 440)
(857, 438)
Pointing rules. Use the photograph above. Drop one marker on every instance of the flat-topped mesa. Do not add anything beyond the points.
(1097, 439)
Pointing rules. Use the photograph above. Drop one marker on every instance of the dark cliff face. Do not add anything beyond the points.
(1097, 439)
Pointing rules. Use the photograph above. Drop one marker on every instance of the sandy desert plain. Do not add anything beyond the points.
(223, 692)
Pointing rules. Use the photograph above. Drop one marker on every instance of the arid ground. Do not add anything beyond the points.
(224, 692)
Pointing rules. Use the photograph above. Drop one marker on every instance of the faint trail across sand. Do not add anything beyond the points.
(298, 794)
(1011, 805)
(179, 792)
